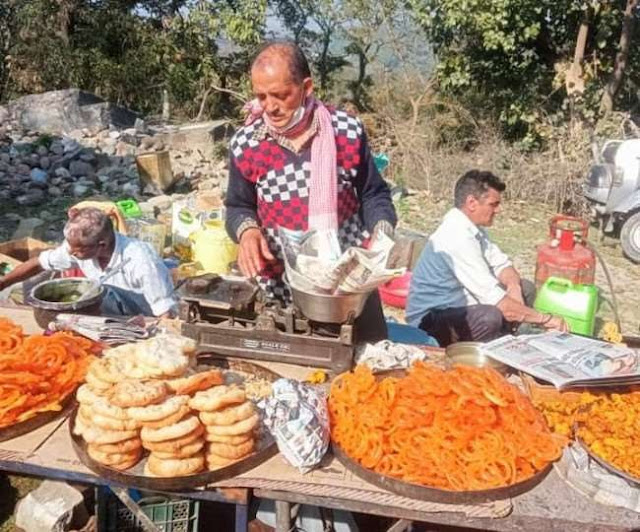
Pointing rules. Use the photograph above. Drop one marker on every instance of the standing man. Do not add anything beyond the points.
(300, 165)
(463, 287)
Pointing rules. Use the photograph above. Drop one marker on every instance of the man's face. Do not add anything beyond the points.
(482, 211)
(84, 252)
(278, 94)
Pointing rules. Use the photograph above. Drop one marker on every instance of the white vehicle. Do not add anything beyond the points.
(613, 189)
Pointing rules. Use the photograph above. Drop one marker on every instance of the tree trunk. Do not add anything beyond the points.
(626, 36)
(359, 91)
(323, 66)
(66, 9)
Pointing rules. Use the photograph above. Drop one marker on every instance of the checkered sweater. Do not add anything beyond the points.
(269, 186)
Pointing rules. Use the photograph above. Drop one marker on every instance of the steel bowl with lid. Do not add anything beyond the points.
(329, 308)
(57, 296)
(470, 354)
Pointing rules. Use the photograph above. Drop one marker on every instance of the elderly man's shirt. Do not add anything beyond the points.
(269, 188)
(458, 267)
(140, 272)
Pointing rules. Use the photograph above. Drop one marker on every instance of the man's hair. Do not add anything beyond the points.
(475, 183)
(88, 226)
(290, 52)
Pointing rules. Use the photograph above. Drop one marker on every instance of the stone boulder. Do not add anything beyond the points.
(67, 110)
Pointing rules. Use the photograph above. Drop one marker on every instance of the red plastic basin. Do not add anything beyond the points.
(395, 292)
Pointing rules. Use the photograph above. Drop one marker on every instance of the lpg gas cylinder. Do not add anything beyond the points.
(566, 255)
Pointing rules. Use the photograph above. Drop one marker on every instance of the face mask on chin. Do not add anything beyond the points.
(295, 118)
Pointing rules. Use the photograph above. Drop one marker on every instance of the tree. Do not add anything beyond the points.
(510, 57)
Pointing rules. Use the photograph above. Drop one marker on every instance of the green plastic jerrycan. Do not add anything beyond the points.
(576, 303)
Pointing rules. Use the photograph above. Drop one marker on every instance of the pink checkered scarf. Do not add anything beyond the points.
(323, 186)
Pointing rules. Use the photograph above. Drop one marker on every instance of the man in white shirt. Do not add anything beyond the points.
(138, 283)
(464, 288)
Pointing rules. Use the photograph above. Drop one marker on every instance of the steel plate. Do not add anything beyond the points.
(607, 465)
(135, 477)
(39, 420)
(417, 491)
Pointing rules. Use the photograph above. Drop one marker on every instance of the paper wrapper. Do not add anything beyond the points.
(310, 268)
(296, 414)
(386, 355)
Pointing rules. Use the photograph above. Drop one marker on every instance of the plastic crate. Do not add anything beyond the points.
(167, 513)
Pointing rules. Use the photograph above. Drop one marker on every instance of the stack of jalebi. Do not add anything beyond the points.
(462, 429)
(611, 429)
(38, 372)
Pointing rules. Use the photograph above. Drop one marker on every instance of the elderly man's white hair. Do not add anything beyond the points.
(87, 226)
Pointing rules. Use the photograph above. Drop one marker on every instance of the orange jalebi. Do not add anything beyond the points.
(462, 429)
(38, 372)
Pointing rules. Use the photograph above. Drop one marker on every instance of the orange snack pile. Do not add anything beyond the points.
(462, 429)
(560, 414)
(38, 372)
(611, 429)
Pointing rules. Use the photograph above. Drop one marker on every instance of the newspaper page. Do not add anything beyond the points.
(567, 360)
(357, 270)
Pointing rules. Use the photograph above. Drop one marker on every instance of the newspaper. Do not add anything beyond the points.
(566, 360)
(310, 268)
(109, 330)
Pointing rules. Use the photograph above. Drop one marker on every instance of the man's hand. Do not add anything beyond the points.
(254, 252)
(556, 323)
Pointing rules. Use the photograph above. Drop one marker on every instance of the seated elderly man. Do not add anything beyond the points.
(463, 287)
(138, 283)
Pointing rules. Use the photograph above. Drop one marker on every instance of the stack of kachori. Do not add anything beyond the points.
(229, 420)
(137, 396)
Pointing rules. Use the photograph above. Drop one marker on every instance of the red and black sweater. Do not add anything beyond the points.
(269, 184)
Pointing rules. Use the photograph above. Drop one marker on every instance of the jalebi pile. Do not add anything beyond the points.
(462, 429)
(611, 429)
(38, 372)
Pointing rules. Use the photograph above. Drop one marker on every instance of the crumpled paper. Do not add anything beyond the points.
(385, 355)
(296, 414)
(357, 270)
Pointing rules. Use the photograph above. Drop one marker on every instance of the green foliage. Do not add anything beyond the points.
(129, 51)
(514, 55)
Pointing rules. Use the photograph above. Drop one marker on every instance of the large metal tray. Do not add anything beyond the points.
(39, 420)
(417, 491)
(135, 477)
(635, 481)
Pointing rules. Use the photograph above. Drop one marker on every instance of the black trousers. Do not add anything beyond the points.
(475, 323)
(370, 325)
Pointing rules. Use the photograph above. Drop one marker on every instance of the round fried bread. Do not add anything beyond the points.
(113, 458)
(109, 423)
(169, 420)
(214, 461)
(217, 397)
(97, 385)
(231, 440)
(175, 467)
(229, 415)
(133, 393)
(98, 435)
(197, 382)
(233, 452)
(183, 452)
(159, 411)
(241, 427)
(125, 446)
(85, 395)
(169, 446)
(171, 432)
(103, 407)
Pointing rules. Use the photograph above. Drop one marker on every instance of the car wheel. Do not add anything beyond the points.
(630, 237)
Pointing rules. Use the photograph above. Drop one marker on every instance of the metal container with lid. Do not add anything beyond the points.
(329, 308)
(470, 354)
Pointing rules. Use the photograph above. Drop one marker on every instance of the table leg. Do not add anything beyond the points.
(401, 525)
(242, 517)
(146, 523)
(283, 516)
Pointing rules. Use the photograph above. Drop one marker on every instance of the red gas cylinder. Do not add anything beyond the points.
(566, 255)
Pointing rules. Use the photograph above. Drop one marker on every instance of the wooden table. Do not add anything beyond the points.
(551, 506)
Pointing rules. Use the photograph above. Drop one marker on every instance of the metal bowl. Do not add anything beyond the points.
(46, 298)
(469, 354)
(325, 308)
